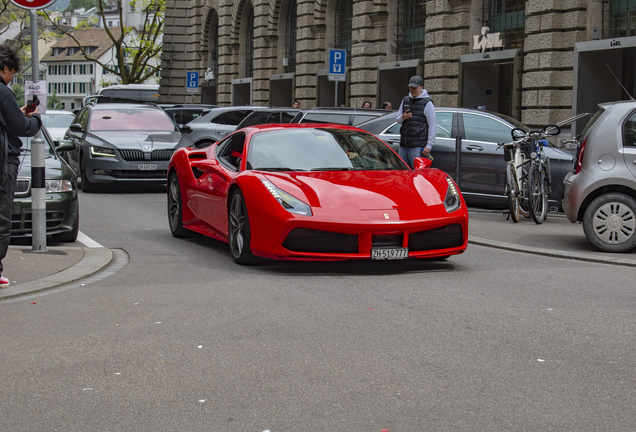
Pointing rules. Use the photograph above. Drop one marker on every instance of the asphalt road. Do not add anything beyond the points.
(183, 339)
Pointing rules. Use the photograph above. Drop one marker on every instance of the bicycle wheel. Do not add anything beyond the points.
(512, 190)
(537, 196)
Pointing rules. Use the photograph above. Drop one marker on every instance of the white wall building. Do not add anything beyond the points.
(71, 76)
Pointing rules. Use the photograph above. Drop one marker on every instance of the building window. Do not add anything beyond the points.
(344, 17)
(507, 17)
(110, 23)
(411, 29)
(290, 36)
(72, 50)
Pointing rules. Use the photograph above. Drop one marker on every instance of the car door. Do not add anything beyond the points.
(213, 187)
(483, 166)
(444, 149)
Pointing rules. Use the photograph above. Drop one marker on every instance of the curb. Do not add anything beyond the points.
(578, 256)
(93, 261)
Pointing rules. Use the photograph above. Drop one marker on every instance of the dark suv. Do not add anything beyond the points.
(270, 115)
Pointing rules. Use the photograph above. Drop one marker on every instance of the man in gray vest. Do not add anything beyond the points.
(417, 117)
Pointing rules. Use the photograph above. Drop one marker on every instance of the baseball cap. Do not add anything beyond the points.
(416, 81)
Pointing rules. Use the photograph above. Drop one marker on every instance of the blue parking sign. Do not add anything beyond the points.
(337, 64)
(192, 81)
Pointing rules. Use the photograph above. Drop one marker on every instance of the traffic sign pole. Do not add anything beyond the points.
(192, 83)
(38, 191)
(337, 68)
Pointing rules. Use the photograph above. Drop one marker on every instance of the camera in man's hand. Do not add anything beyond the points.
(32, 104)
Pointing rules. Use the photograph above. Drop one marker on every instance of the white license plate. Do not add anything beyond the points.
(389, 254)
(147, 167)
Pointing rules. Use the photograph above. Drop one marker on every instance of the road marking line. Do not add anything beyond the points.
(87, 241)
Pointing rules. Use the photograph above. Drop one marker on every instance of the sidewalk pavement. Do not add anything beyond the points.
(30, 272)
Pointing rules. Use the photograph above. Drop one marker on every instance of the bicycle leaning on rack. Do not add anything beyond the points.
(528, 173)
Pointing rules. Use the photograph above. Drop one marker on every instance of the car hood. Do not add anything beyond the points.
(138, 140)
(52, 167)
(411, 193)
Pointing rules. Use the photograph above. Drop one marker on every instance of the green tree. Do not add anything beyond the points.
(76, 4)
(137, 51)
(18, 90)
(53, 102)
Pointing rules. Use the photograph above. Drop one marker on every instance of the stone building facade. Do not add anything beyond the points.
(527, 59)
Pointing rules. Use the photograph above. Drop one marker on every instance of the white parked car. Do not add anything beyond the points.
(57, 122)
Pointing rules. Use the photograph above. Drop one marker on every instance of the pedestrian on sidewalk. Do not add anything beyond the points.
(419, 124)
(14, 123)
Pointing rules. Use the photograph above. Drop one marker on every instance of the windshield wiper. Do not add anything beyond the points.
(333, 169)
(276, 169)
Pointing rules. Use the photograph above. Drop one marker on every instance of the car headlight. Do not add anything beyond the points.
(53, 186)
(289, 203)
(102, 151)
(452, 201)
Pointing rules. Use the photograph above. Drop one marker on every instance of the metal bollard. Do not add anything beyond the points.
(38, 195)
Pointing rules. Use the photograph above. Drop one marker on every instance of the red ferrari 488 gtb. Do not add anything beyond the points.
(314, 192)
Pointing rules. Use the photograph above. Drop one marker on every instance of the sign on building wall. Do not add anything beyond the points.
(488, 40)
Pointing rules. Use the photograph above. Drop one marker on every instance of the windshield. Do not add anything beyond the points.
(26, 145)
(320, 149)
(130, 119)
(57, 120)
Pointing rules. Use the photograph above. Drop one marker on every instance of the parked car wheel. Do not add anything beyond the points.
(239, 230)
(85, 183)
(609, 222)
(204, 144)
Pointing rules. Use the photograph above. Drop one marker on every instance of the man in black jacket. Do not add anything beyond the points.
(419, 123)
(14, 123)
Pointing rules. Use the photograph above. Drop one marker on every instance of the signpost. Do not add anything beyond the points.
(337, 67)
(192, 83)
(38, 191)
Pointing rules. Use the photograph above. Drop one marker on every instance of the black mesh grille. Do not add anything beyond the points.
(132, 155)
(446, 237)
(308, 240)
(22, 186)
(161, 155)
(386, 241)
(24, 222)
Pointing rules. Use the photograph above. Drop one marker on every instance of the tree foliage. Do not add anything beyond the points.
(137, 51)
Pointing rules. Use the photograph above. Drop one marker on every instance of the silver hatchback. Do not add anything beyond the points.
(600, 191)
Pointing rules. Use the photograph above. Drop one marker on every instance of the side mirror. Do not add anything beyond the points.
(517, 133)
(207, 166)
(551, 130)
(185, 129)
(76, 127)
(421, 163)
(65, 146)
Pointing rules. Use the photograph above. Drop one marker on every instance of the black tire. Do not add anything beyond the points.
(512, 192)
(204, 144)
(175, 209)
(68, 236)
(239, 234)
(537, 196)
(609, 222)
(85, 183)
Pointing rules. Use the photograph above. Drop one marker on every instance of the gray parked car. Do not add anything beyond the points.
(483, 166)
(601, 189)
(342, 115)
(123, 143)
(217, 124)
